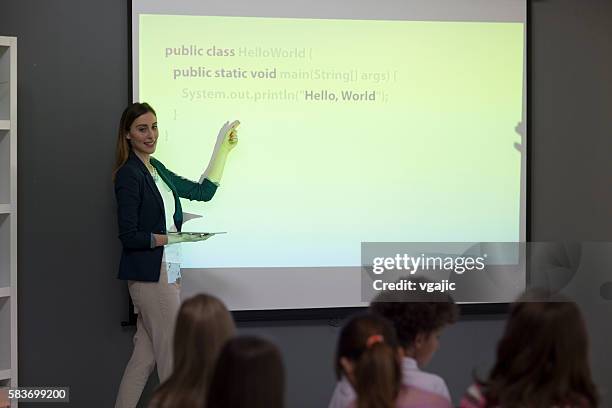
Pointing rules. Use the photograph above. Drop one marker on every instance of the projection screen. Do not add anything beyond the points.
(361, 121)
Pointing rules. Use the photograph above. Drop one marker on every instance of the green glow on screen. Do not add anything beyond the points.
(426, 153)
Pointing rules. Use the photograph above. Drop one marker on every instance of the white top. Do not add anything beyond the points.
(172, 253)
(412, 376)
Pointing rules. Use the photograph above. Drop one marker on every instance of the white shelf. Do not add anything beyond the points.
(8, 213)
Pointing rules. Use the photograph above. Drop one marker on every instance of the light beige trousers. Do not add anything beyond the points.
(156, 304)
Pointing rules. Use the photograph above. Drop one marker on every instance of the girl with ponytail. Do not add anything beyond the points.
(368, 354)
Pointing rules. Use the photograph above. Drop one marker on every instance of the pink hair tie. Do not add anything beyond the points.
(373, 339)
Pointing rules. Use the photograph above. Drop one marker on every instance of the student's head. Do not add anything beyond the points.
(543, 357)
(137, 131)
(203, 325)
(368, 355)
(249, 374)
(418, 318)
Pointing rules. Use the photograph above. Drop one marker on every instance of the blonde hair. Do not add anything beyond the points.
(203, 326)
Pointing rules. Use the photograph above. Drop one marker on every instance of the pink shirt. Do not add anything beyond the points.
(474, 398)
(412, 376)
(412, 397)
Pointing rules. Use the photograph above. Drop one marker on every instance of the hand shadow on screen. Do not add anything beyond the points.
(550, 266)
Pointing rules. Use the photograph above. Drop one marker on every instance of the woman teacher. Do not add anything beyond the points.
(150, 220)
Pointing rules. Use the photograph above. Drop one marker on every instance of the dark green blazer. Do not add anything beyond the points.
(140, 213)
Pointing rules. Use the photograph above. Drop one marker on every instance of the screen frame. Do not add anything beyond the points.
(332, 314)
